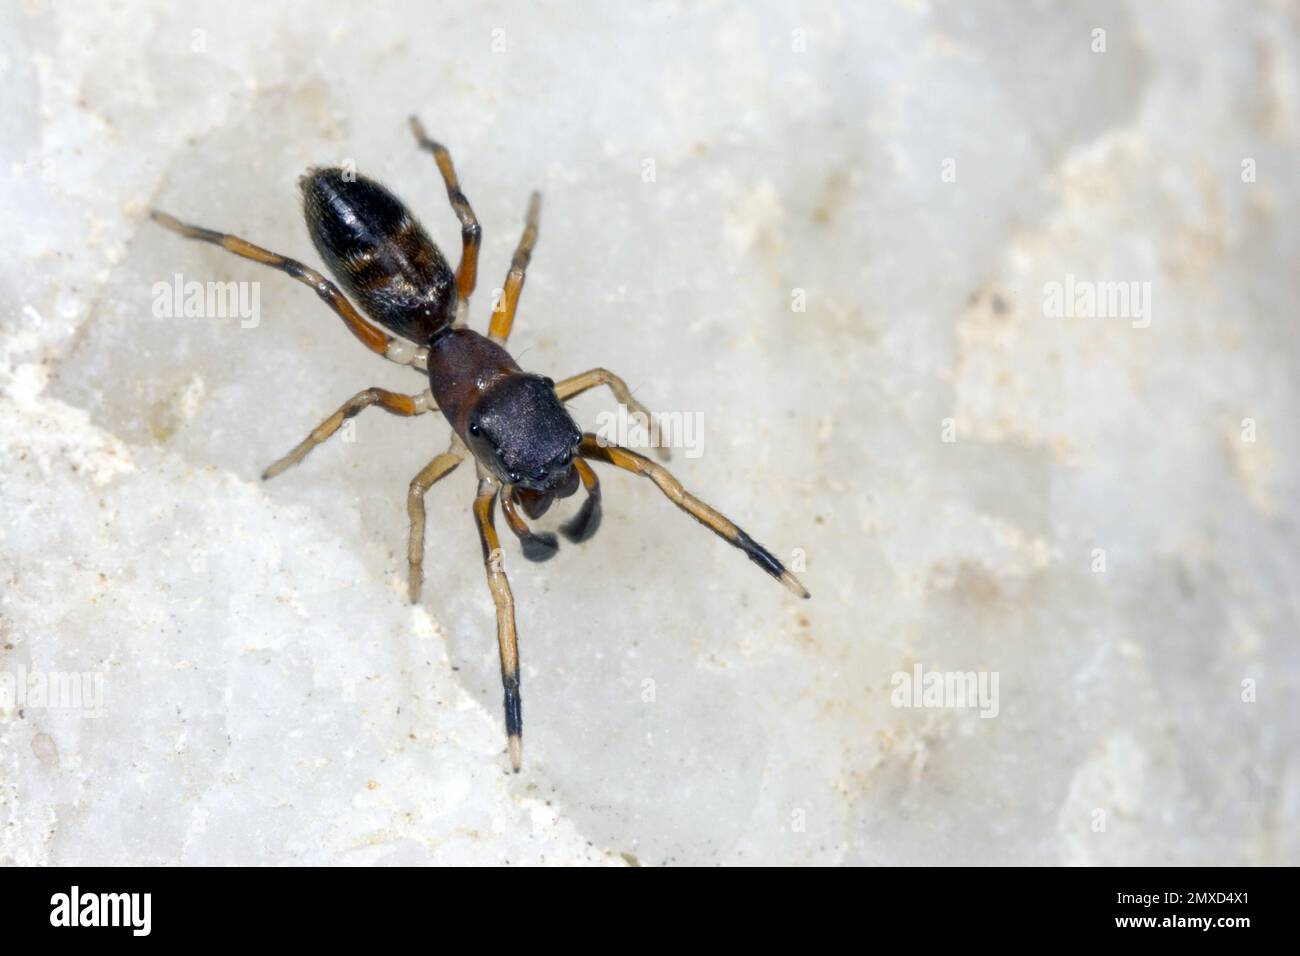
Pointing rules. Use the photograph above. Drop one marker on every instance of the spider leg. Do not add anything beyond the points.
(471, 233)
(440, 467)
(391, 402)
(536, 547)
(577, 384)
(507, 640)
(503, 316)
(584, 524)
(370, 335)
(711, 518)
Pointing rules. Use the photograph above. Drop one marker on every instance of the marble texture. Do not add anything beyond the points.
(828, 232)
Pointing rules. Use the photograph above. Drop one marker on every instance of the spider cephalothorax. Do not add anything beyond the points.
(527, 449)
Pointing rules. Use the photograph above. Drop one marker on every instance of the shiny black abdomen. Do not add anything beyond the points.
(379, 253)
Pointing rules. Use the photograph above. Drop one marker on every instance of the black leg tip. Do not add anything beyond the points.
(514, 708)
(759, 555)
(769, 563)
(514, 724)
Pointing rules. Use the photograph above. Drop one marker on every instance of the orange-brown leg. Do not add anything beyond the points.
(503, 316)
(392, 402)
(370, 335)
(711, 518)
(507, 639)
(471, 233)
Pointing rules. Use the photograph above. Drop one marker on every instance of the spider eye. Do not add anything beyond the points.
(514, 477)
(474, 429)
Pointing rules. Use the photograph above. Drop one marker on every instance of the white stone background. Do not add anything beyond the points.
(270, 697)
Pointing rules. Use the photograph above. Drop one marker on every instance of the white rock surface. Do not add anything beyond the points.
(268, 695)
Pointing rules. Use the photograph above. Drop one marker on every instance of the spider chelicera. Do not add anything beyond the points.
(526, 447)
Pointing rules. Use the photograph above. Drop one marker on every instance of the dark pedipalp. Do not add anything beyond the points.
(537, 546)
(586, 522)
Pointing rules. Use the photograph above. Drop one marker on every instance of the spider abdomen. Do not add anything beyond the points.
(379, 252)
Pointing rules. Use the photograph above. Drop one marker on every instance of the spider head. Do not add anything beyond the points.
(520, 430)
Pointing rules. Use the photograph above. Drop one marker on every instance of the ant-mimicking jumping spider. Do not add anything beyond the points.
(527, 449)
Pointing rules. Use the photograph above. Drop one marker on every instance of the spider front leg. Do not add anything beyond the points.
(507, 639)
(440, 467)
(391, 402)
(577, 384)
(710, 517)
(471, 233)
